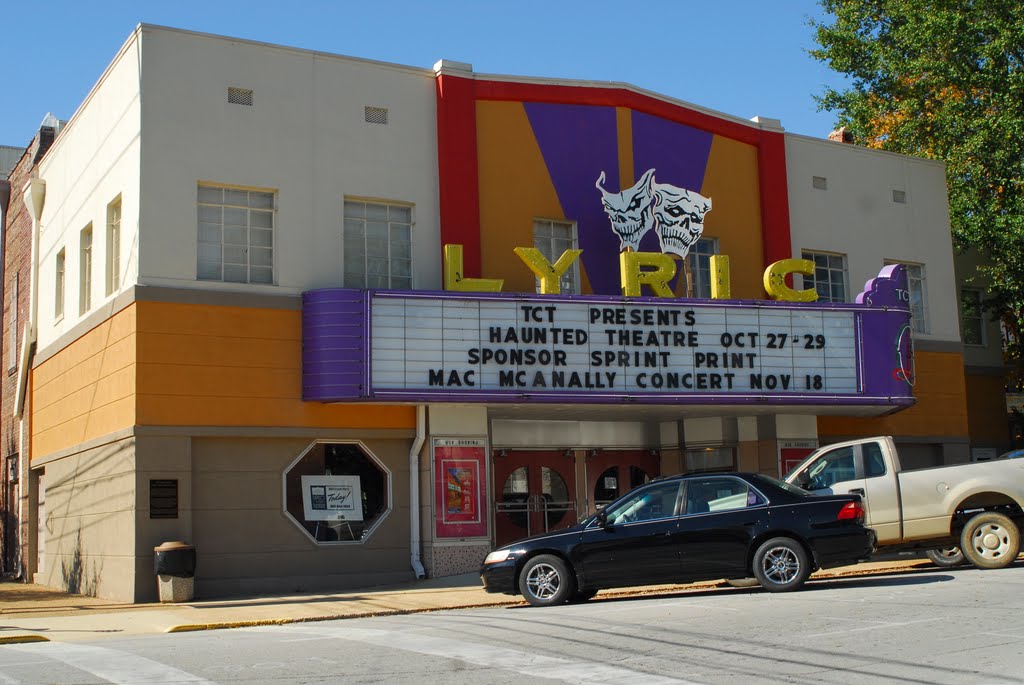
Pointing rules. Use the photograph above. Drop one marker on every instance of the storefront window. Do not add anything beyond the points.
(710, 460)
(337, 492)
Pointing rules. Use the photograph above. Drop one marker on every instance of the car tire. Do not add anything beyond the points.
(781, 565)
(581, 596)
(990, 540)
(946, 557)
(546, 581)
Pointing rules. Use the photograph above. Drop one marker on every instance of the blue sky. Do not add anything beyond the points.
(740, 57)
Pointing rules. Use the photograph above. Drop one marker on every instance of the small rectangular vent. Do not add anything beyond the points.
(163, 499)
(240, 96)
(375, 115)
(899, 196)
(819, 182)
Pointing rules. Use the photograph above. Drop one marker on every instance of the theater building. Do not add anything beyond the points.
(338, 322)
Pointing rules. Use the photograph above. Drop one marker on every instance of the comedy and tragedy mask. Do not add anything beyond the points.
(678, 217)
(630, 211)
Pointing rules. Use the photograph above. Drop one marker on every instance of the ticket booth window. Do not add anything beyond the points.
(337, 492)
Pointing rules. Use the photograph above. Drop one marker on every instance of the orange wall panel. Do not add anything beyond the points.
(510, 202)
(986, 409)
(87, 390)
(234, 366)
(731, 181)
(941, 408)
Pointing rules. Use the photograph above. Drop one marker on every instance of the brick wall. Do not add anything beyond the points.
(17, 255)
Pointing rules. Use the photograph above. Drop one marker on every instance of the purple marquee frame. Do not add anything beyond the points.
(337, 341)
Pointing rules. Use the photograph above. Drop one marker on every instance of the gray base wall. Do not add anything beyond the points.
(99, 536)
(88, 532)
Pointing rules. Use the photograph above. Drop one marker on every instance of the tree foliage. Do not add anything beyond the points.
(944, 79)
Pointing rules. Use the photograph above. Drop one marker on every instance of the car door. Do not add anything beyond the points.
(636, 542)
(721, 515)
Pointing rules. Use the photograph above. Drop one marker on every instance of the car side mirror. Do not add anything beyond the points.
(602, 518)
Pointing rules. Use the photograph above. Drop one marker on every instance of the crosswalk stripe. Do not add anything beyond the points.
(528, 663)
(111, 665)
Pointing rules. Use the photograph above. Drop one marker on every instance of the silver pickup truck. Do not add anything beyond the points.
(978, 507)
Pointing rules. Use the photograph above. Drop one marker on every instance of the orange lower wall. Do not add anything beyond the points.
(161, 364)
(986, 408)
(941, 408)
(235, 366)
(87, 390)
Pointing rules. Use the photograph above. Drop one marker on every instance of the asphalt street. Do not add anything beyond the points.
(961, 626)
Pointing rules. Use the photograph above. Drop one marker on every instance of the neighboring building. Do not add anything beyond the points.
(241, 340)
(17, 193)
(9, 158)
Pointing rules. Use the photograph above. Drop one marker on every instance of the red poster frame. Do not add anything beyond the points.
(460, 487)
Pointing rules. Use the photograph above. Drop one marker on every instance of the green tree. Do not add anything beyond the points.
(944, 79)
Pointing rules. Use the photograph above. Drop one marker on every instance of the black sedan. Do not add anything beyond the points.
(684, 529)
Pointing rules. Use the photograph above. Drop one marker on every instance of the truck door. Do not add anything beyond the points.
(846, 470)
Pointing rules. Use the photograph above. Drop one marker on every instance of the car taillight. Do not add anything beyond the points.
(851, 510)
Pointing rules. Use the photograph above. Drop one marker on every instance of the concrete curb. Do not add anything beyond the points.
(192, 627)
(21, 639)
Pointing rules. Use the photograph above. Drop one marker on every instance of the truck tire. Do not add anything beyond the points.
(946, 557)
(781, 565)
(990, 540)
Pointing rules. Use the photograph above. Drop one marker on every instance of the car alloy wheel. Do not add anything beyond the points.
(781, 564)
(546, 581)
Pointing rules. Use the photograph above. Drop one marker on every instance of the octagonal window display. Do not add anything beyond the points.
(337, 492)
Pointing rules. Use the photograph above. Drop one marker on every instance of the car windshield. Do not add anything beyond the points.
(782, 485)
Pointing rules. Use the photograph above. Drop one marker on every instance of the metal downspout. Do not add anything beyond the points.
(414, 491)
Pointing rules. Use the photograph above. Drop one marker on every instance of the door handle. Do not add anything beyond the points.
(857, 491)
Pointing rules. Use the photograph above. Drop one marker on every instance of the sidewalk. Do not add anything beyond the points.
(32, 613)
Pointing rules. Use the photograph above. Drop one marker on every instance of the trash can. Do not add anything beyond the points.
(175, 566)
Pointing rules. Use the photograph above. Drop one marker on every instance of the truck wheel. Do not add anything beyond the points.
(946, 557)
(781, 565)
(546, 581)
(990, 540)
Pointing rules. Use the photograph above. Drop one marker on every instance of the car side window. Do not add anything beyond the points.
(655, 502)
(874, 464)
(719, 494)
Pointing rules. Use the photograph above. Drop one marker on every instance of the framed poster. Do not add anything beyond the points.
(460, 492)
(332, 498)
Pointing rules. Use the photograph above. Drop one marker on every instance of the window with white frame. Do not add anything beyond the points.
(829, 279)
(553, 238)
(12, 336)
(58, 286)
(236, 235)
(377, 242)
(114, 246)
(699, 258)
(971, 317)
(918, 292)
(85, 270)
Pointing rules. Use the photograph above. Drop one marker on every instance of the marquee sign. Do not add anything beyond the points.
(505, 347)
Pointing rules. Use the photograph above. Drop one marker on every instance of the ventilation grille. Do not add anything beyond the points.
(240, 96)
(819, 182)
(375, 115)
(899, 196)
(163, 499)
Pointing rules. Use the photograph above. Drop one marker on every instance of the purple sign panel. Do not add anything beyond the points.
(423, 346)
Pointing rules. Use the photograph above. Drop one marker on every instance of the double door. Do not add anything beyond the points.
(534, 493)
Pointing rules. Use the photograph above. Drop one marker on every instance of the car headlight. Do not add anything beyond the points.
(498, 556)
